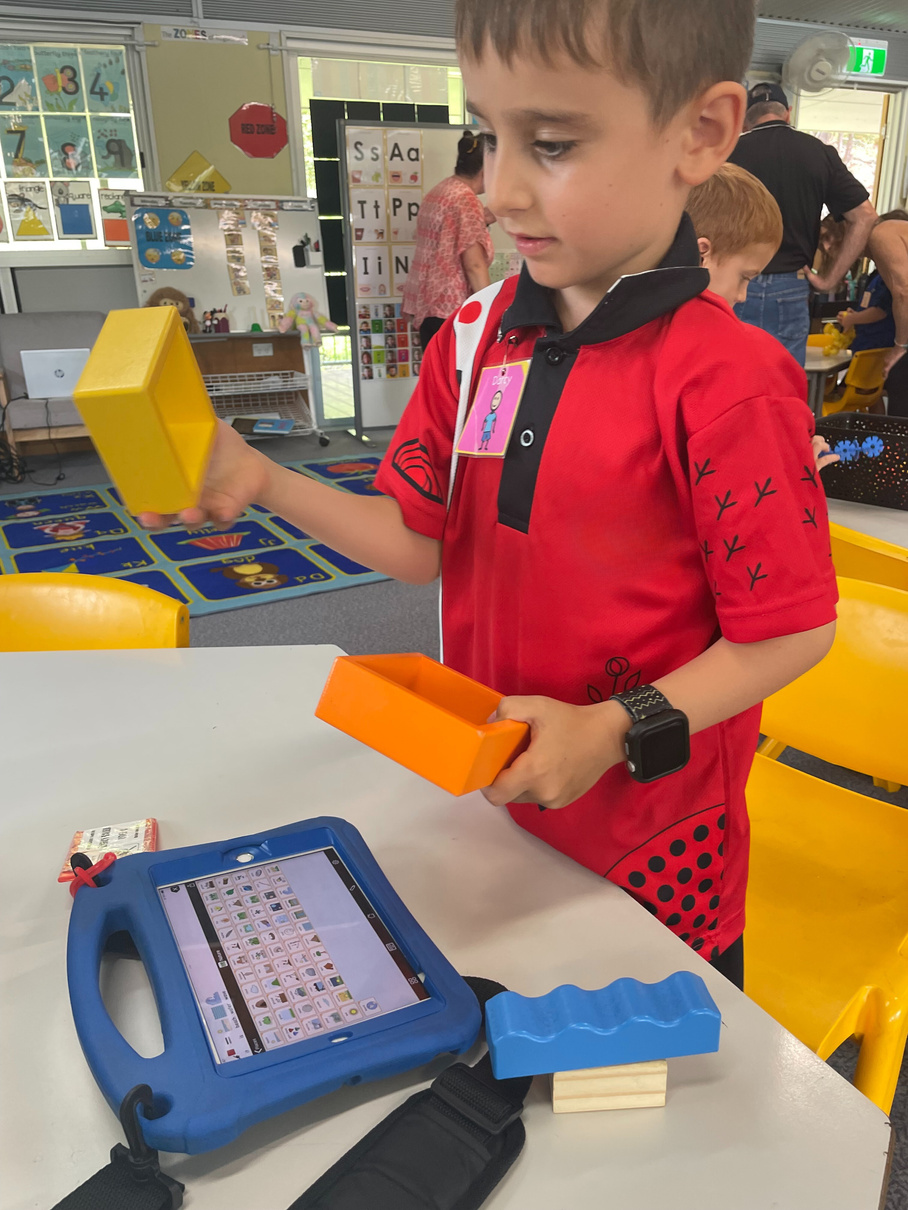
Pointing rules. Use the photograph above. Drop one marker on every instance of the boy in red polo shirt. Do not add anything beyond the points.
(651, 546)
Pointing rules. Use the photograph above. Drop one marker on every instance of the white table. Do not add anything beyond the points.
(818, 366)
(887, 524)
(217, 742)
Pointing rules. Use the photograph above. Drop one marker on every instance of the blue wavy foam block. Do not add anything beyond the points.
(627, 1022)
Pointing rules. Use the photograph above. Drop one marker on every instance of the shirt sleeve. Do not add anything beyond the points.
(417, 466)
(843, 190)
(471, 224)
(760, 512)
(880, 296)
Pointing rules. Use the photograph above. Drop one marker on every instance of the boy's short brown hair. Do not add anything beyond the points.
(671, 49)
(734, 211)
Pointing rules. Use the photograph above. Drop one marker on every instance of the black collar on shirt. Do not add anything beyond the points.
(774, 125)
(633, 300)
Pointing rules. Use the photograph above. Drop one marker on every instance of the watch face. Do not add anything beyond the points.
(659, 746)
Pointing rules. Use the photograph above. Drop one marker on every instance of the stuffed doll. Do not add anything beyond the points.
(305, 315)
(166, 296)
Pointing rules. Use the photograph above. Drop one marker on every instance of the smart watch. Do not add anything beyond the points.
(658, 742)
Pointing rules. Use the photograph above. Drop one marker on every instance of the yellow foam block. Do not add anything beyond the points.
(144, 403)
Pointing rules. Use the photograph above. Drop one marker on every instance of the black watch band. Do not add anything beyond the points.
(642, 702)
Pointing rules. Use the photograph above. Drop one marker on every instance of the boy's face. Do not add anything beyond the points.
(730, 276)
(579, 176)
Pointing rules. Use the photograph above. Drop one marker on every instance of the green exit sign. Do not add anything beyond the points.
(868, 58)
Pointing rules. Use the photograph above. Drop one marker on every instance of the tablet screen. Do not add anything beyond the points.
(286, 951)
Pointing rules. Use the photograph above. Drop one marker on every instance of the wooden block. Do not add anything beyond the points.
(629, 1086)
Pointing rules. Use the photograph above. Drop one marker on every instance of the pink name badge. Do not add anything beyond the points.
(495, 404)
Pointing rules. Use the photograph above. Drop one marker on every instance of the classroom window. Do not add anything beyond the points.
(364, 80)
(68, 146)
(853, 121)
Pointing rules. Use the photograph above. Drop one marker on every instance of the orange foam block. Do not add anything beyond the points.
(428, 718)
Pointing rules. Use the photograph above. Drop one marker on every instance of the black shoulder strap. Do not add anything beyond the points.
(444, 1149)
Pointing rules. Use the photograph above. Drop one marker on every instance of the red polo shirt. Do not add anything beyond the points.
(658, 491)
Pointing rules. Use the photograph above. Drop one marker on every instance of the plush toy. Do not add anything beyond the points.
(305, 315)
(836, 339)
(168, 297)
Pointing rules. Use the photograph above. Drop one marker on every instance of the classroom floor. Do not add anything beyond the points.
(389, 617)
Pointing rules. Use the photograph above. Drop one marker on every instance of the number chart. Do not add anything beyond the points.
(67, 139)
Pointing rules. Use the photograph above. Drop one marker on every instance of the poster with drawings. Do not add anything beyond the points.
(73, 209)
(403, 211)
(369, 208)
(366, 155)
(29, 209)
(17, 79)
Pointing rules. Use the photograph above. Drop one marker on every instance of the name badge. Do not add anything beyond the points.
(494, 409)
(865, 300)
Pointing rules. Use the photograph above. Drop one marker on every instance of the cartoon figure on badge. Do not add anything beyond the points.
(488, 425)
(494, 410)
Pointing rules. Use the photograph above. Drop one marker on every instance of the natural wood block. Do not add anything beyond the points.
(628, 1086)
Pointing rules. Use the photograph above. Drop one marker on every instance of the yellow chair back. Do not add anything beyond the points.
(827, 918)
(861, 557)
(61, 611)
(851, 708)
(816, 340)
(863, 383)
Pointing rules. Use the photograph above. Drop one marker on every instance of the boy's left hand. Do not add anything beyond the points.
(571, 747)
(822, 454)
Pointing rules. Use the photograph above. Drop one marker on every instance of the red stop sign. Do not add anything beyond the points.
(259, 130)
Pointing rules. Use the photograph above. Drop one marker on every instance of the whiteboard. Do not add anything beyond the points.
(207, 271)
(381, 401)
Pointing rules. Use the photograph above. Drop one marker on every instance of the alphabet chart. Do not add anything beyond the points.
(388, 169)
(385, 177)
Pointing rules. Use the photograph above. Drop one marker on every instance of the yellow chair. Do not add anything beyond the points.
(816, 340)
(850, 708)
(61, 611)
(860, 557)
(827, 918)
(862, 385)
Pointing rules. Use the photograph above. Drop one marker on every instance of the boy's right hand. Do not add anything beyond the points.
(846, 319)
(236, 476)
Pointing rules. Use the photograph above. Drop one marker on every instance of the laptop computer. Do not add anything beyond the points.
(52, 373)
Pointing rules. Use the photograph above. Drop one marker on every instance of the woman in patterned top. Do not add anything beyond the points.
(453, 247)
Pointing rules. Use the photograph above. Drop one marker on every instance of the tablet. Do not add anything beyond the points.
(280, 952)
(283, 965)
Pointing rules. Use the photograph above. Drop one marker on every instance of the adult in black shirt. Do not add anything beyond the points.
(803, 174)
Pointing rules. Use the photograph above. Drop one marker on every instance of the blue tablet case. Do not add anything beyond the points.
(200, 1104)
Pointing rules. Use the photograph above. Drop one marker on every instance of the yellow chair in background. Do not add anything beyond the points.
(860, 557)
(827, 918)
(862, 385)
(851, 708)
(827, 899)
(61, 611)
(817, 340)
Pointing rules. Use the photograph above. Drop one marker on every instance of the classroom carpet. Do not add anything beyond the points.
(262, 557)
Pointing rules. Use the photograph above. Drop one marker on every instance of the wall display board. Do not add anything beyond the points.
(68, 146)
(248, 254)
(386, 171)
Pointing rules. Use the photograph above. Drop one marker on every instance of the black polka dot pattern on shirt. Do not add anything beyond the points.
(677, 875)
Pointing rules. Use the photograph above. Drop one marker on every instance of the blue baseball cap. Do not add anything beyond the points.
(766, 91)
